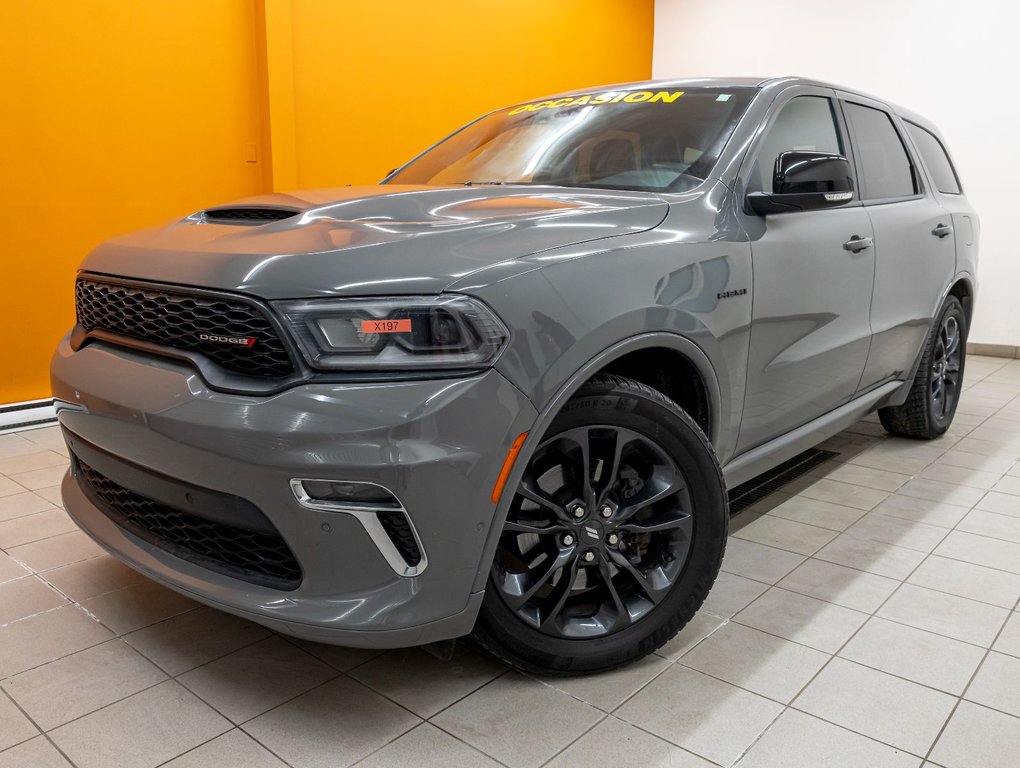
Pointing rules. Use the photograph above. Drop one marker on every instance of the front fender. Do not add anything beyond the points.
(693, 297)
(567, 389)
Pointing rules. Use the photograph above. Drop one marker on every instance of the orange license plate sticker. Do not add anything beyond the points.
(386, 326)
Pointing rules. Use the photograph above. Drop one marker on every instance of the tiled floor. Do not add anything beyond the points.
(866, 616)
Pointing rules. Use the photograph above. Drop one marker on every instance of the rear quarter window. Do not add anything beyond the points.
(943, 174)
(883, 161)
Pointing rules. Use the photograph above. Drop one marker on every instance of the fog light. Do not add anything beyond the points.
(380, 513)
(348, 493)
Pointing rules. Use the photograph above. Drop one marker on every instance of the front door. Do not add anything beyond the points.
(812, 283)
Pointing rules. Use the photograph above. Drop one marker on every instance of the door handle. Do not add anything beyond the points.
(942, 230)
(858, 243)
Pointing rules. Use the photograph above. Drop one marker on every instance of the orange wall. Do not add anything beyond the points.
(118, 115)
(377, 82)
(115, 115)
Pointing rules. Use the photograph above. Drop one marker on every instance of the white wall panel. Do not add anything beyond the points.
(956, 63)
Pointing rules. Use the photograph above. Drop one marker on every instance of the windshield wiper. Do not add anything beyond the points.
(494, 183)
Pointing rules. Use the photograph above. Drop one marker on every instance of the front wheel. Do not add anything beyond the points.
(614, 536)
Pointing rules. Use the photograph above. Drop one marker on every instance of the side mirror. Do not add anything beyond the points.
(805, 181)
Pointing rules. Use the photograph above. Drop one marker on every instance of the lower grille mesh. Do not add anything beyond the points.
(259, 558)
(399, 530)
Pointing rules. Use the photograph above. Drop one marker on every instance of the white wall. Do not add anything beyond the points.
(956, 63)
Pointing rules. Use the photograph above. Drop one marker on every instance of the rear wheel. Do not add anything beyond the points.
(935, 393)
(614, 536)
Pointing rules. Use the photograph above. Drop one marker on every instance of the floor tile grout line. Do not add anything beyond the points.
(176, 675)
(166, 677)
(603, 717)
(80, 603)
(972, 533)
(336, 674)
(241, 726)
(430, 718)
(965, 562)
(40, 732)
(346, 673)
(862, 735)
(644, 729)
(793, 701)
(778, 584)
(669, 663)
(850, 639)
(77, 607)
(654, 735)
(970, 682)
(679, 661)
(121, 637)
(423, 723)
(929, 631)
(296, 642)
(36, 571)
(220, 735)
(759, 737)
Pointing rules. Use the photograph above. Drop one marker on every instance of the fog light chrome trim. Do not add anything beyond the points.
(367, 515)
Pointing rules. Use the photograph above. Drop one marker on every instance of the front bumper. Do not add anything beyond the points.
(437, 445)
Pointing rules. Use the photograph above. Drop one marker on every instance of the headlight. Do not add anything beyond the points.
(399, 333)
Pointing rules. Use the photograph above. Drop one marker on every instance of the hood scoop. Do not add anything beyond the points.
(247, 215)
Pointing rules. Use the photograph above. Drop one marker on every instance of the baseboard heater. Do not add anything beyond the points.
(28, 415)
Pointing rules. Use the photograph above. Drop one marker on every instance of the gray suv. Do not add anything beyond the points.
(505, 390)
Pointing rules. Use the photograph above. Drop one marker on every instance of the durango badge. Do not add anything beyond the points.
(243, 341)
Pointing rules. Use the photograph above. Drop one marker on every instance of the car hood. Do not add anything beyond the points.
(384, 239)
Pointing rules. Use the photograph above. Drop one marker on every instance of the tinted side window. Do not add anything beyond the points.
(806, 124)
(937, 160)
(883, 162)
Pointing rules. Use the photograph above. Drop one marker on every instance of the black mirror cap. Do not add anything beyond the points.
(804, 181)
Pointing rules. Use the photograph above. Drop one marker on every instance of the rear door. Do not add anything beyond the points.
(943, 178)
(915, 252)
(812, 281)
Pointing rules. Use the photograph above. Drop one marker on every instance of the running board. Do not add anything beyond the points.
(758, 460)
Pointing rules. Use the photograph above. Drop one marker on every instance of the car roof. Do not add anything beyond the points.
(759, 83)
(711, 82)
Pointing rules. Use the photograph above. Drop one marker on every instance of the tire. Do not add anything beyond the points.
(935, 393)
(549, 610)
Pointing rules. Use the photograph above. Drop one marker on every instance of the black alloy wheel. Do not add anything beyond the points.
(613, 537)
(598, 532)
(945, 368)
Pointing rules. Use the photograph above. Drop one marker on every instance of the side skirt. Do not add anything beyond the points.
(763, 458)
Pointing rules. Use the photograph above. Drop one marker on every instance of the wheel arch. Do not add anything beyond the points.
(963, 289)
(641, 346)
(671, 373)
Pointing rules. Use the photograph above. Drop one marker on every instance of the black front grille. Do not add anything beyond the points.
(240, 337)
(253, 556)
(248, 215)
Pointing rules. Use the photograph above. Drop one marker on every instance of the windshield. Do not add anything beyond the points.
(650, 140)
